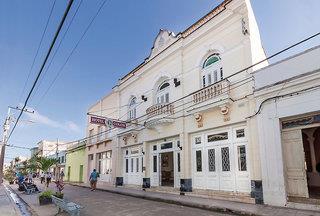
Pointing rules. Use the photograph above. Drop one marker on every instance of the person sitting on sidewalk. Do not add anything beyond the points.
(93, 179)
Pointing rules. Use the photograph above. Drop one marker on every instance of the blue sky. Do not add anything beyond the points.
(119, 40)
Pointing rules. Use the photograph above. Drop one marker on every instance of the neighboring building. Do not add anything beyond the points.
(61, 158)
(288, 114)
(101, 148)
(75, 170)
(46, 148)
(34, 151)
(203, 143)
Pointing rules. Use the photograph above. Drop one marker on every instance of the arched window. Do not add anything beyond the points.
(212, 70)
(163, 93)
(132, 108)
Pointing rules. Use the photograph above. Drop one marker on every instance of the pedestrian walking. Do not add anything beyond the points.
(48, 178)
(93, 179)
(61, 176)
(42, 177)
(30, 177)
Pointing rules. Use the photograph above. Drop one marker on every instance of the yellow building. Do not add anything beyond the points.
(74, 169)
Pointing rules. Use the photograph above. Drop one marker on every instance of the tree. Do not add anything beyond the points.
(17, 159)
(45, 163)
(32, 164)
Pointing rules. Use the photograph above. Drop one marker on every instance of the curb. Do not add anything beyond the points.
(30, 209)
(176, 202)
(17, 211)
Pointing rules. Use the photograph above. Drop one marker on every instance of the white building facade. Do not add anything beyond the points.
(186, 109)
(288, 115)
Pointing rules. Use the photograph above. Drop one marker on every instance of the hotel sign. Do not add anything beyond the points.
(107, 122)
(96, 120)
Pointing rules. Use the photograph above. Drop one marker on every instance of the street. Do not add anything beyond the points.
(105, 203)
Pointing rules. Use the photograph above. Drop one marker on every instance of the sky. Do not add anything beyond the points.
(119, 39)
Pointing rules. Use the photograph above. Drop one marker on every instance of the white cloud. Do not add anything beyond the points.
(38, 118)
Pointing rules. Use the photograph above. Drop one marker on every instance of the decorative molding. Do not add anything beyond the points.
(125, 140)
(244, 25)
(225, 112)
(163, 39)
(199, 119)
(135, 137)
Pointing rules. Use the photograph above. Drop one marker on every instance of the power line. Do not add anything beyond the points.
(58, 47)
(242, 70)
(20, 147)
(73, 50)
(43, 64)
(281, 96)
(39, 45)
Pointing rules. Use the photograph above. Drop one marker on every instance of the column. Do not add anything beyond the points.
(118, 160)
(312, 151)
(146, 166)
(186, 176)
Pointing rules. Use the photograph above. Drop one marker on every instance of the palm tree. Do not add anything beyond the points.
(45, 163)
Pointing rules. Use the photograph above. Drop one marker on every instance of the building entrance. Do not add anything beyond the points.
(311, 146)
(167, 169)
(301, 147)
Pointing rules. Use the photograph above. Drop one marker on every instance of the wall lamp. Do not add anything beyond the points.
(176, 82)
(144, 98)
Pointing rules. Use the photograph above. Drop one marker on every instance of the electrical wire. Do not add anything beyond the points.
(42, 66)
(58, 47)
(72, 51)
(39, 45)
(281, 96)
(245, 69)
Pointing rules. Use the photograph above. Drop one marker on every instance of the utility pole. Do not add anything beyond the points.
(57, 173)
(6, 129)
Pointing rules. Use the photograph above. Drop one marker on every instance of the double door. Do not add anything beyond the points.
(220, 162)
(214, 168)
(133, 170)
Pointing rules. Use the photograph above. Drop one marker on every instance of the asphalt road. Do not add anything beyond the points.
(104, 203)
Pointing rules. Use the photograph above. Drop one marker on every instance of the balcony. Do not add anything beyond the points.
(159, 114)
(160, 109)
(96, 139)
(210, 97)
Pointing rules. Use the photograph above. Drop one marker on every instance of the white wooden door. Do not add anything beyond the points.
(241, 168)
(154, 169)
(212, 167)
(294, 162)
(199, 173)
(177, 168)
(227, 181)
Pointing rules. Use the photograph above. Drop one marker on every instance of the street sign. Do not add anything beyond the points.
(108, 122)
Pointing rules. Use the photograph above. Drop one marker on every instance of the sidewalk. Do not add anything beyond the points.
(205, 203)
(7, 206)
(33, 202)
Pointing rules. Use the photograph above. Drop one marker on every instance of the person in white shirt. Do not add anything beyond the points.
(48, 178)
(30, 177)
(42, 177)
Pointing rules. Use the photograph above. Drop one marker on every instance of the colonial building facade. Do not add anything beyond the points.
(288, 114)
(185, 108)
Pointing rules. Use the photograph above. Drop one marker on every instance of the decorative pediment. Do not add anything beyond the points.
(163, 39)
